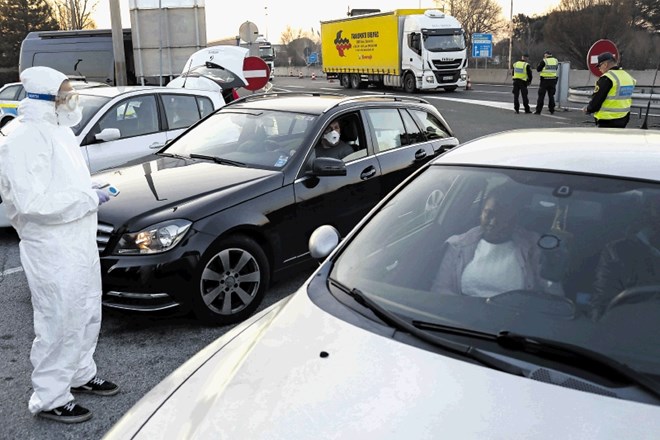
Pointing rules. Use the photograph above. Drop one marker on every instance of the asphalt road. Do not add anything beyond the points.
(138, 351)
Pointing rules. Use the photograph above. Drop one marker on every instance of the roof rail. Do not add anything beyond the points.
(384, 96)
(268, 95)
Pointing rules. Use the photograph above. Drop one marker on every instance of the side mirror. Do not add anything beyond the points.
(323, 241)
(108, 134)
(328, 166)
(443, 145)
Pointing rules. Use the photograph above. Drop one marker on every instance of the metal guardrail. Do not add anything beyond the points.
(641, 96)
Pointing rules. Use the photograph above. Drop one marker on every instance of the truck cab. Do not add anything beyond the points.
(433, 52)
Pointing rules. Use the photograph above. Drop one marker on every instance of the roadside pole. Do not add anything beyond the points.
(118, 43)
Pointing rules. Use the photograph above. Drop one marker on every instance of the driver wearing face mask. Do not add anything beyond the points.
(52, 203)
(331, 143)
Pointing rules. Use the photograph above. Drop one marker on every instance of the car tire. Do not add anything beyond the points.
(231, 281)
(345, 80)
(409, 83)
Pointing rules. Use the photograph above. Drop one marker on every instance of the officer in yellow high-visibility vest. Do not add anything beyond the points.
(548, 69)
(612, 98)
(522, 77)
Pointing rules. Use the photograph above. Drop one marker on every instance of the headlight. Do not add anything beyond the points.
(430, 78)
(155, 239)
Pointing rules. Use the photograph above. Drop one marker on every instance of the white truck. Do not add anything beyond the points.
(415, 49)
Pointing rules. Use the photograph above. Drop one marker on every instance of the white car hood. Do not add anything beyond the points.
(271, 382)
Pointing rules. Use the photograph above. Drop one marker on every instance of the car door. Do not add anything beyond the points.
(10, 96)
(401, 147)
(434, 130)
(140, 133)
(340, 201)
(181, 111)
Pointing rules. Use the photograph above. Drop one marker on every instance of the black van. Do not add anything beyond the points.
(82, 53)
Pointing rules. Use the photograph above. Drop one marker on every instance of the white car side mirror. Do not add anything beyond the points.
(108, 134)
(323, 241)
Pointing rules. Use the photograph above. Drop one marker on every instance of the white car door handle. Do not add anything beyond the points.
(156, 145)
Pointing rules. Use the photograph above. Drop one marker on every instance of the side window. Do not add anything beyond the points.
(388, 128)
(415, 42)
(180, 110)
(21, 94)
(433, 128)
(9, 93)
(415, 135)
(205, 106)
(135, 116)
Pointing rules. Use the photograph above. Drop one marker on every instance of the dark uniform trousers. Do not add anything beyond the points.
(548, 85)
(614, 123)
(520, 87)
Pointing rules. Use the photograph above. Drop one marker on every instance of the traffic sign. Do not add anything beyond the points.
(313, 58)
(596, 49)
(482, 45)
(256, 72)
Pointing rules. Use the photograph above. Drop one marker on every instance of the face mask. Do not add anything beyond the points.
(332, 138)
(68, 117)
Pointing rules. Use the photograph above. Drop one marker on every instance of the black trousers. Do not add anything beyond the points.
(549, 86)
(520, 88)
(614, 123)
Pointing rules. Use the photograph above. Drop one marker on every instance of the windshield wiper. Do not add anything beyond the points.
(396, 322)
(177, 156)
(219, 160)
(579, 355)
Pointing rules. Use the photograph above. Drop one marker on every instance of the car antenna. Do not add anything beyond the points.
(645, 124)
(185, 77)
(75, 69)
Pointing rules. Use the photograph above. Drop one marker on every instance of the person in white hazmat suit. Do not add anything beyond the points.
(52, 204)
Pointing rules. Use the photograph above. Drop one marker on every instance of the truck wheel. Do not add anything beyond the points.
(356, 82)
(345, 80)
(230, 282)
(409, 83)
(450, 88)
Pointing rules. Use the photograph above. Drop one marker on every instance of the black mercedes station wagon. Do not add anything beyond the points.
(206, 223)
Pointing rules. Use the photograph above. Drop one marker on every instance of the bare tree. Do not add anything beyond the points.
(75, 14)
(482, 16)
(575, 25)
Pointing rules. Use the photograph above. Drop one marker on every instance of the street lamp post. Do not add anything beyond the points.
(510, 32)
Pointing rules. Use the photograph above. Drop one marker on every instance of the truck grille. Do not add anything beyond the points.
(103, 234)
(448, 65)
(447, 77)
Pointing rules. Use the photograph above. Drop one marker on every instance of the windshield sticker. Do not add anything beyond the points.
(281, 161)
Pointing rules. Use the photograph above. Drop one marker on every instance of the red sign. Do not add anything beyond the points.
(597, 48)
(256, 72)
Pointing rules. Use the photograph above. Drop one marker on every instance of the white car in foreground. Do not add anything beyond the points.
(436, 319)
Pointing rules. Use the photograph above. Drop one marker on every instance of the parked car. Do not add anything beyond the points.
(11, 95)
(121, 124)
(206, 223)
(370, 347)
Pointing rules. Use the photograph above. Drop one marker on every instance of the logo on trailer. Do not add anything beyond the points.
(342, 44)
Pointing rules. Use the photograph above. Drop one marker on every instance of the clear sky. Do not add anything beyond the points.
(224, 17)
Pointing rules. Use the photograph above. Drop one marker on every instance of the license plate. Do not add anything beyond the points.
(447, 78)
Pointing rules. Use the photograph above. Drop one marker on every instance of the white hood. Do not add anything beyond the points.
(271, 382)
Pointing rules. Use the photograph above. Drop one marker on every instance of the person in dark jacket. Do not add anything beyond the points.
(548, 69)
(630, 262)
(522, 77)
(612, 98)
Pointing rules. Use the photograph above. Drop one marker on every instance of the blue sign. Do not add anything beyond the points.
(482, 45)
(313, 58)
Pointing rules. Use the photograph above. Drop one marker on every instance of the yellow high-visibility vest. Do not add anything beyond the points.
(550, 68)
(520, 70)
(619, 99)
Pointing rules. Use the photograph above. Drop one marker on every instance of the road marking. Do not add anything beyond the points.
(494, 104)
(334, 89)
(11, 271)
(297, 87)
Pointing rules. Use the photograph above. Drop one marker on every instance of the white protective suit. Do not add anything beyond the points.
(47, 189)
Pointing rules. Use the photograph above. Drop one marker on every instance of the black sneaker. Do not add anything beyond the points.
(69, 413)
(97, 386)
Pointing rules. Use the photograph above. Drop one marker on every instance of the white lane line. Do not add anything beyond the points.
(11, 271)
(494, 104)
(296, 87)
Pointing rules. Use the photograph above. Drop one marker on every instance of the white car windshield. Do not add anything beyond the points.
(564, 257)
(264, 139)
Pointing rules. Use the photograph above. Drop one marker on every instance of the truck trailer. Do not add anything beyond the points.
(415, 49)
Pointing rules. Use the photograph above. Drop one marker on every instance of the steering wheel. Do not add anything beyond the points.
(633, 295)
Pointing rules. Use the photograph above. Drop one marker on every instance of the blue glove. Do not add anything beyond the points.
(103, 196)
